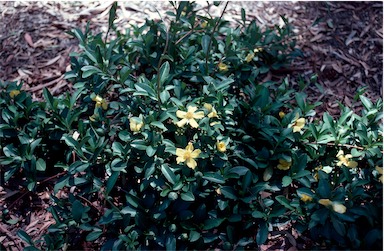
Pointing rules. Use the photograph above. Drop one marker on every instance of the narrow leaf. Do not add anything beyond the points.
(168, 174)
(164, 72)
(205, 40)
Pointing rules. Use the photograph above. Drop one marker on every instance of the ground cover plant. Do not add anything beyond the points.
(172, 141)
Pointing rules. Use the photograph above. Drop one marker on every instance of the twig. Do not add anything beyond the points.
(340, 145)
(186, 34)
(19, 198)
(52, 177)
(39, 87)
(38, 183)
(88, 202)
(10, 236)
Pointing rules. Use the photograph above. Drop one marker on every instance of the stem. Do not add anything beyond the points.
(213, 32)
(186, 34)
(340, 145)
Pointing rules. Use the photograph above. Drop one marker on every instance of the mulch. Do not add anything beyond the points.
(342, 43)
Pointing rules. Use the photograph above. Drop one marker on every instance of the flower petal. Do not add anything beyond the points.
(296, 129)
(191, 163)
(104, 105)
(198, 115)
(193, 123)
(179, 160)
(192, 109)
(181, 114)
(325, 202)
(182, 122)
(97, 99)
(352, 164)
(340, 153)
(180, 152)
(338, 207)
(189, 147)
(208, 106)
(195, 154)
(300, 122)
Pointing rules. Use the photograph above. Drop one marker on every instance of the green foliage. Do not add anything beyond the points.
(172, 141)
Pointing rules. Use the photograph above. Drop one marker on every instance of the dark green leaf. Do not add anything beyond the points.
(40, 165)
(212, 223)
(194, 236)
(94, 235)
(77, 210)
(48, 98)
(150, 151)
(89, 70)
(188, 196)
(243, 18)
(284, 201)
(214, 177)
(205, 41)
(228, 192)
(286, 181)
(112, 181)
(338, 225)
(258, 214)
(262, 233)
(112, 14)
(25, 237)
(168, 174)
(160, 125)
(366, 102)
(170, 243)
(164, 72)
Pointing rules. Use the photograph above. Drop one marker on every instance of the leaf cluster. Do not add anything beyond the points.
(172, 141)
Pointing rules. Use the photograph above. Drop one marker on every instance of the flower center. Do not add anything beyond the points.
(189, 115)
(187, 155)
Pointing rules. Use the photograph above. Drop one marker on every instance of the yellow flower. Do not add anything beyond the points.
(249, 57)
(212, 110)
(213, 114)
(298, 125)
(257, 50)
(204, 24)
(221, 146)
(100, 102)
(189, 117)
(306, 198)
(380, 171)
(208, 107)
(135, 124)
(223, 67)
(344, 160)
(316, 175)
(93, 117)
(338, 207)
(281, 114)
(188, 155)
(284, 165)
(14, 93)
(218, 191)
(325, 202)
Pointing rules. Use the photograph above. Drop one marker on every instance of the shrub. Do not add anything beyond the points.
(172, 141)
